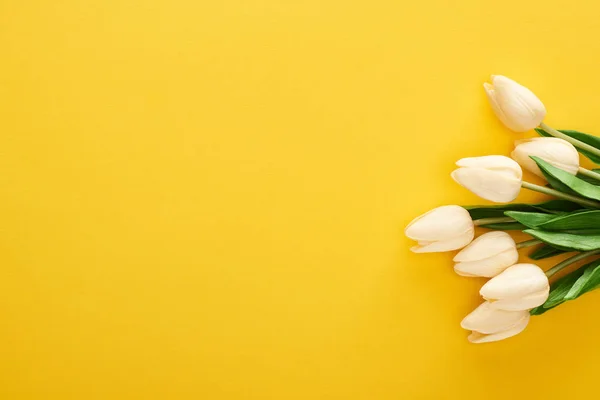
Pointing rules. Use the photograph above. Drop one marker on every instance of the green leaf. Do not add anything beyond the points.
(567, 180)
(588, 179)
(589, 280)
(577, 220)
(505, 226)
(554, 183)
(585, 232)
(561, 288)
(566, 241)
(571, 286)
(552, 206)
(479, 212)
(544, 251)
(583, 137)
(555, 206)
(530, 219)
(539, 310)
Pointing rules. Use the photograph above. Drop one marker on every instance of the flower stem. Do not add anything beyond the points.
(488, 221)
(588, 173)
(574, 142)
(528, 243)
(570, 261)
(561, 195)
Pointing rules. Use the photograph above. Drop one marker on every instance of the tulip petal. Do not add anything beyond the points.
(487, 184)
(486, 319)
(478, 337)
(491, 95)
(523, 303)
(521, 108)
(497, 163)
(455, 243)
(555, 151)
(485, 246)
(488, 267)
(520, 280)
(440, 223)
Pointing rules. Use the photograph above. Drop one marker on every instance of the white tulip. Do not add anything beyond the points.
(487, 256)
(555, 151)
(515, 105)
(441, 229)
(520, 287)
(490, 324)
(495, 178)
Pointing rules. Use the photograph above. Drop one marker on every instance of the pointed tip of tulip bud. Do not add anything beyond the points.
(454, 175)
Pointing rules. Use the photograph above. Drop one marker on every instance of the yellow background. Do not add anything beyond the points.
(206, 199)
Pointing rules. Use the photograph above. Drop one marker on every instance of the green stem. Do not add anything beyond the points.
(561, 195)
(528, 243)
(570, 261)
(574, 142)
(588, 173)
(488, 221)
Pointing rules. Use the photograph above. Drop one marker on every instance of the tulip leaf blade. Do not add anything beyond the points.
(530, 219)
(566, 241)
(566, 181)
(573, 221)
(588, 281)
(545, 251)
(505, 226)
(585, 232)
(557, 205)
(583, 137)
(580, 220)
(553, 182)
(589, 179)
(496, 211)
(571, 286)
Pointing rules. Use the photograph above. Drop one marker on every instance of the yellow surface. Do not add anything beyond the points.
(206, 199)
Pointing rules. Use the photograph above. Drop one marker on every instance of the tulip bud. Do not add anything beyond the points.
(487, 256)
(494, 178)
(520, 287)
(555, 151)
(515, 105)
(489, 324)
(441, 229)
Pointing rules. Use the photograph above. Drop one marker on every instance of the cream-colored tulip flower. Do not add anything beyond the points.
(520, 287)
(494, 178)
(444, 228)
(487, 256)
(490, 324)
(555, 151)
(515, 105)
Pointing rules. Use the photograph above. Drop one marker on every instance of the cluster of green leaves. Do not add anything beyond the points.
(574, 230)
(562, 226)
(552, 207)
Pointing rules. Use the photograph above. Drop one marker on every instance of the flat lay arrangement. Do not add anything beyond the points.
(568, 223)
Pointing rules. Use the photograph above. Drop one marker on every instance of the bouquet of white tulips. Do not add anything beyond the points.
(570, 223)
